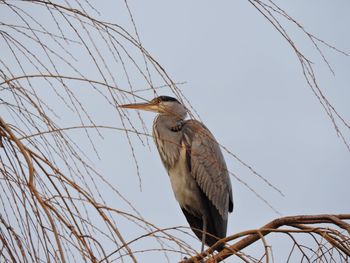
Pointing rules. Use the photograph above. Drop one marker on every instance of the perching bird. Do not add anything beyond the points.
(196, 168)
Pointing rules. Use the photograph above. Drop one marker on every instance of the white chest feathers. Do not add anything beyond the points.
(185, 188)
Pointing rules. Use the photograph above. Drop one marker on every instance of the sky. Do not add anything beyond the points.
(246, 84)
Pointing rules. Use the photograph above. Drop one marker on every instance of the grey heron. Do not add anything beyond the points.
(196, 167)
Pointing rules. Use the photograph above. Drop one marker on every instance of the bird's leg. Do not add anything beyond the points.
(204, 232)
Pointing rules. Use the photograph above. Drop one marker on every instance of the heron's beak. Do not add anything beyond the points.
(142, 106)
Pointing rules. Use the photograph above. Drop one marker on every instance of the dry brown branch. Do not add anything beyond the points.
(52, 209)
(50, 197)
(339, 241)
(277, 17)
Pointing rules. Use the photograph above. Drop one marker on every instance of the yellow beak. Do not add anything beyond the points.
(142, 106)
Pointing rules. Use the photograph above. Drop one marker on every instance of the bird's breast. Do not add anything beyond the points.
(185, 188)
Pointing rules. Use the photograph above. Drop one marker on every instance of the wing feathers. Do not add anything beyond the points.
(207, 166)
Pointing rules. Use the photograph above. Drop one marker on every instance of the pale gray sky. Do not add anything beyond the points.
(246, 83)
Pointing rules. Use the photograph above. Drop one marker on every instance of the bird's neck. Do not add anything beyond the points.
(167, 136)
(169, 121)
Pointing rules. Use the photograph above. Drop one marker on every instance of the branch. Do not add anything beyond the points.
(331, 235)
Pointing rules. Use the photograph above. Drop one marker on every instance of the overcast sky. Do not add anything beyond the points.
(246, 83)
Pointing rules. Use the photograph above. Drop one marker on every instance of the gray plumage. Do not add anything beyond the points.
(196, 167)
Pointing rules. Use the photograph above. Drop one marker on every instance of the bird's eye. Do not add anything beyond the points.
(155, 100)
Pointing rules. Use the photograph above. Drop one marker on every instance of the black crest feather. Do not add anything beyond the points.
(166, 98)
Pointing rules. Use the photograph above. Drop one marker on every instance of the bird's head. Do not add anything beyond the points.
(162, 105)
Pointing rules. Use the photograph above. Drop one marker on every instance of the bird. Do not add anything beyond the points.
(196, 168)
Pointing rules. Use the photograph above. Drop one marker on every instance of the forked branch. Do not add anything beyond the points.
(336, 234)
